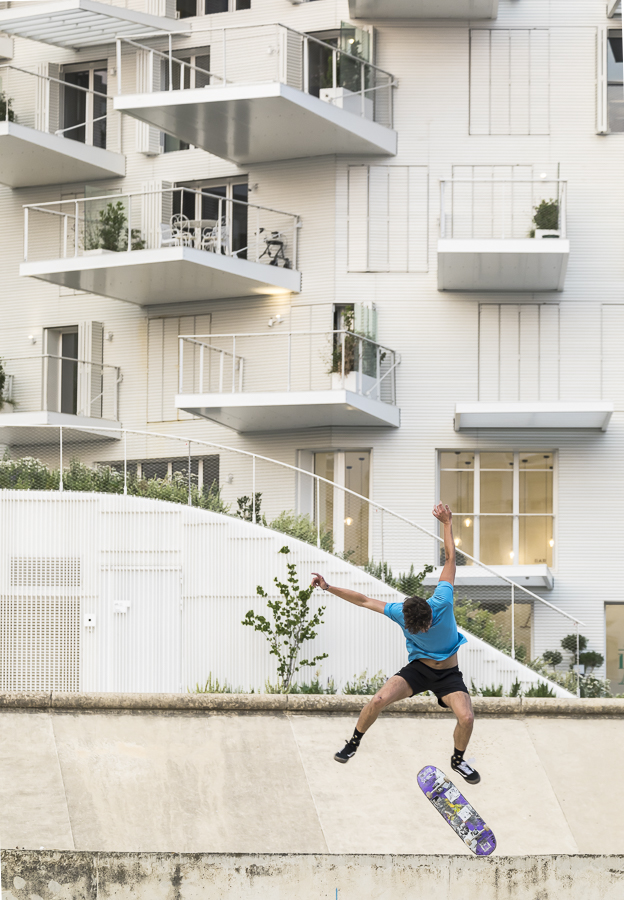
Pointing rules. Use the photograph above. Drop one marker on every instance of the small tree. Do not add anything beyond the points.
(110, 232)
(591, 659)
(552, 657)
(7, 113)
(546, 216)
(293, 624)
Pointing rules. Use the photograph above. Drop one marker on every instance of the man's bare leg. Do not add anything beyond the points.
(395, 688)
(461, 705)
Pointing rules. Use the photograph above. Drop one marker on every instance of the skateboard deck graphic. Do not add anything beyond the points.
(455, 809)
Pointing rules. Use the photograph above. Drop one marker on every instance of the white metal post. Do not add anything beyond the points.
(382, 546)
(221, 366)
(578, 662)
(224, 57)
(76, 228)
(65, 227)
(190, 503)
(180, 364)
(118, 54)
(129, 223)
(233, 364)
(201, 369)
(342, 352)
(442, 211)
(563, 212)
(318, 513)
(253, 488)
(334, 69)
(362, 89)
(170, 65)
(60, 458)
(295, 241)
(360, 367)
(125, 434)
(25, 233)
(306, 66)
(513, 632)
(289, 357)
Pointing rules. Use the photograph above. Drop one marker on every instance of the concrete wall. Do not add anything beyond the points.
(239, 775)
(169, 876)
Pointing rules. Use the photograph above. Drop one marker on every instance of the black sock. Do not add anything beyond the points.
(357, 737)
(458, 756)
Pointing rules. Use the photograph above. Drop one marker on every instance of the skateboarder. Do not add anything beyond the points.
(432, 643)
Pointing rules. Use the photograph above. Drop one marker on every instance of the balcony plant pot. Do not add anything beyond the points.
(99, 251)
(356, 383)
(547, 233)
(347, 100)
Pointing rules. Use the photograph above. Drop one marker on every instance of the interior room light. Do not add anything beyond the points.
(551, 543)
(467, 522)
(457, 542)
(511, 555)
(348, 521)
(543, 175)
(352, 40)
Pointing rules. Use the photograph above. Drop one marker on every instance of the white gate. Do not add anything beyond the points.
(139, 636)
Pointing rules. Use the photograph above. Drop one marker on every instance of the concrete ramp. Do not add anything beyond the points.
(255, 774)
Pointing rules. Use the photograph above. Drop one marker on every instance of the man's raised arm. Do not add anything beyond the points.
(443, 514)
(350, 596)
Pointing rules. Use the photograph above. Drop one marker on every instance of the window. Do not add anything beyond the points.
(84, 114)
(346, 516)
(73, 370)
(210, 202)
(502, 504)
(614, 615)
(188, 8)
(509, 81)
(615, 81)
(184, 78)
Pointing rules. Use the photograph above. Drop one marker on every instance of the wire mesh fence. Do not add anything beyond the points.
(301, 504)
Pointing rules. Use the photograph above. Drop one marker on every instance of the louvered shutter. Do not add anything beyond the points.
(156, 209)
(148, 139)
(488, 351)
(90, 371)
(480, 81)
(357, 225)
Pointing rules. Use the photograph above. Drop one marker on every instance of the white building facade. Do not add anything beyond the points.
(382, 247)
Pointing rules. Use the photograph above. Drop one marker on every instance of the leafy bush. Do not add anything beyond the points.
(492, 691)
(569, 643)
(303, 528)
(516, 689)
(547, 215)
(408, 583)
(362, 684)
(482, 623)
(591, 659)
(595, 687)
(540, 689)
(246, 509)
(3, 381)
(7, 113)
(552, 657)
(110, 232)
(214, 686)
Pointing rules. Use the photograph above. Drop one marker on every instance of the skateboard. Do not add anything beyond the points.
(455, 809)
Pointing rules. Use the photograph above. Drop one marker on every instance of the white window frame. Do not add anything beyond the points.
(602, 85)
(89, 67)
(201, 6)
(515, 514)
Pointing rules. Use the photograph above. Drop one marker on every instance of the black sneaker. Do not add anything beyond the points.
(349, 750)
(466, 771)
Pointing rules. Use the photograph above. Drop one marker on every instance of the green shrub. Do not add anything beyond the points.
(516, 689)
(552, 657)
(492, 691)
(214, 686)
(591, 659)
(362, 684)
(547, 215)
(595, 687)
(408, 583)
(303, 528)
(541, 689)
(569, 643)
(7, 113)
(110, 232)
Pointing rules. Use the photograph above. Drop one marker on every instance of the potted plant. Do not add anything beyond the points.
(348, 376)
(109, 234)
(6, 389)
(7, 113)
(347, 92)
(546, 220)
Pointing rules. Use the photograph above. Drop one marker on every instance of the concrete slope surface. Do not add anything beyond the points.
(219, 781)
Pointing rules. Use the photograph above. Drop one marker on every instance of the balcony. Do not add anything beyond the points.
(288, 381)
(423, 9)
(590, 414)
(502, 235)
(75, 24)
(231, 249)
(271, 93)
(56, 390)
(54, 132)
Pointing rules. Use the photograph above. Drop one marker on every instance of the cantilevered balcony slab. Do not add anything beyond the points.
(514, 264)
(165, 275)
(291, 410)
(590, 414)
(29, 157)
(423, 9)
(538, 576)
(21, 429)
(80, 23)
(250, 123)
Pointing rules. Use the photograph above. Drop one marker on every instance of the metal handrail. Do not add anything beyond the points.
(318, 479)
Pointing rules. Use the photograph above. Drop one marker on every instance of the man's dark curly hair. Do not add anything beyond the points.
(417, 614)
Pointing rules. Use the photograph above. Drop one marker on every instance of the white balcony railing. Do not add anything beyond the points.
(262, 54)
(51, 383)
(496, 208)
(54, 106)
(287, 361)
(146, 220)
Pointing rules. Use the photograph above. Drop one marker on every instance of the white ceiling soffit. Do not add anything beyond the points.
(79, 23)
(594, 414)
(614, 8)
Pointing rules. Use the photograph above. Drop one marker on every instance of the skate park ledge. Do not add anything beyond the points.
(498, 707)
(85, 875)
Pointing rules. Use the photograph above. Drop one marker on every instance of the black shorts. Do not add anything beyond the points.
(422, 677)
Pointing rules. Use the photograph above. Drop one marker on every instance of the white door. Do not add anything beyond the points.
(139, 647)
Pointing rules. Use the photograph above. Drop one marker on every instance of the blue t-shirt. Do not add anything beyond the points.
(442, 639)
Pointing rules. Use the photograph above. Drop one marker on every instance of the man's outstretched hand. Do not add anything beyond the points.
(443, 513)
(319, 581)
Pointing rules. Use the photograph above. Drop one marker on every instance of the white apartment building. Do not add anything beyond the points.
(200, 197)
